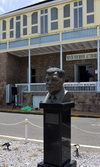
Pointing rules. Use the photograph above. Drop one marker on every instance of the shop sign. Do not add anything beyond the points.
(81, 56)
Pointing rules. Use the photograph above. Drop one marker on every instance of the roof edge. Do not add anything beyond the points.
(36, 6)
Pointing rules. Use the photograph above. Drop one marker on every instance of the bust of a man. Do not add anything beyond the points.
(55, 78)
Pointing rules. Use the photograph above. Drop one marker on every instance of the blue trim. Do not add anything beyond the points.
(45, 39)
(3, 46)
(80, 34)
(18, 44)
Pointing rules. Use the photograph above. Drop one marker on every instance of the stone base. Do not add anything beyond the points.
(70, 164)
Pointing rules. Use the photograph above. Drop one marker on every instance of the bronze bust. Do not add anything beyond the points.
(55, 78)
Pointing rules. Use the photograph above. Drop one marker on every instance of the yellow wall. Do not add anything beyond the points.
(60, 21)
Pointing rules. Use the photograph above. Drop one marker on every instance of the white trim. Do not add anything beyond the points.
(38, 6)
(61, 58)
(29, 69)
(41, 141)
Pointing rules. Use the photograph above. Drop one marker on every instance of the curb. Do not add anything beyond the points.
(85, 115)
(41, 113)
(21, 112)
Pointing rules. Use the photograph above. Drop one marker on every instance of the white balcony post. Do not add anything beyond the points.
(98, 66)
(29, 69)
(61, 58)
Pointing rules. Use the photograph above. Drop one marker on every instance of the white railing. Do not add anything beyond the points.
(81, 86)
(70, 86)
(41, 87)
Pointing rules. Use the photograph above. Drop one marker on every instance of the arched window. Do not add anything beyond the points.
(24, 24)
(11, 23)
(54, 18)
(34, 22)
(11, 27)
(3, 25)
(4, 29)
(35, 18)
(54, 13)
(24, 20)
(66, 15)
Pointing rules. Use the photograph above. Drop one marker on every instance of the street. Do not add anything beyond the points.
(84, 131)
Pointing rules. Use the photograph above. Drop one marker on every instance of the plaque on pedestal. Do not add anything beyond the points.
(57, 135)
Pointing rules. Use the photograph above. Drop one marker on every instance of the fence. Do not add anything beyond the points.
(26, 123)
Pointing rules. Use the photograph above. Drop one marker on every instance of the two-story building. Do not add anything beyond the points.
(59, 33)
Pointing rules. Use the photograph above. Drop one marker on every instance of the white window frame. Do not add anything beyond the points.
(44, 23)
(78, 7)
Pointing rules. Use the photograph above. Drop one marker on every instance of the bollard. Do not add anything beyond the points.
(26, 130)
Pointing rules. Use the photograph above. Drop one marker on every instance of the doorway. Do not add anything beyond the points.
(33, 75)
(83, 72)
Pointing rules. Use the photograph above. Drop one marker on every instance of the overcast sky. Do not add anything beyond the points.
(9, 5)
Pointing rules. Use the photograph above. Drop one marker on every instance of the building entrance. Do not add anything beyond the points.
(83, 73)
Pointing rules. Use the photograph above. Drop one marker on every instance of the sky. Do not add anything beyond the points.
(9, 5)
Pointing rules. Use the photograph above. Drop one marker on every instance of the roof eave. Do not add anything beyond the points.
(36, 7)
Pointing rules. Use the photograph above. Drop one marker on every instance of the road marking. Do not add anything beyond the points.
(95, 124)
(87, 146)
(41, 141)
(20, 138)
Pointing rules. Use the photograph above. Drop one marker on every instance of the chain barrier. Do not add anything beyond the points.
(35, 125)
(12, 124)
(26, 123)
(96, 133)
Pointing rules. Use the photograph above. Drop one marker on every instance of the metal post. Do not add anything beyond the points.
(61, 58)
(26, 130)
(29, 69)
(98, 65)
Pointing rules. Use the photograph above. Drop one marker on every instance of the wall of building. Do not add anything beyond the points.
(9, 73)
(84, 101)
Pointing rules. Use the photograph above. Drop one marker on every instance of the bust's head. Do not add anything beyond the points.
(55, 78)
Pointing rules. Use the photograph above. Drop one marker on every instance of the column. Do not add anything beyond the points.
(29, 69)
(98, 66)
(61, 58)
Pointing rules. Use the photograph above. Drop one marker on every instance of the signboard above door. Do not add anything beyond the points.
(81, 56)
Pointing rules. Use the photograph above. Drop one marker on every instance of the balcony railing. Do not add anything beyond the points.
(41, 87)
(81, 86)
(70, 86)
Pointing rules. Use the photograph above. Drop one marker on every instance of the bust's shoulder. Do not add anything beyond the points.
(66, 96)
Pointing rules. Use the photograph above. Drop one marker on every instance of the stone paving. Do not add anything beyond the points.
(21, 154)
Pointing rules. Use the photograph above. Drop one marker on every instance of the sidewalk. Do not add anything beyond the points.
(40, 112)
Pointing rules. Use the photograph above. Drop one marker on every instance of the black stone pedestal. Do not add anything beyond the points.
(57, 135)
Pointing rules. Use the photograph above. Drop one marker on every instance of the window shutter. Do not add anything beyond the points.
(67, 10)
(24, 20)
(90, 6)
(54, 14)
(35, 18)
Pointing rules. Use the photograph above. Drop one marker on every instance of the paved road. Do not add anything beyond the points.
(85, 131)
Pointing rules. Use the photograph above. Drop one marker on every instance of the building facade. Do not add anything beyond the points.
(56, 33)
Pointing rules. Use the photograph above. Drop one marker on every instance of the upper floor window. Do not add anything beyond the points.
(90, 11)
(34, 22)
(11, 27)
(44, 21)
(24, 20)
(11, 23)
(4, 29)
(24, 24)
(66, 15)
(78, 14)
(3, 25)
(18, 26)
(54, 18)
